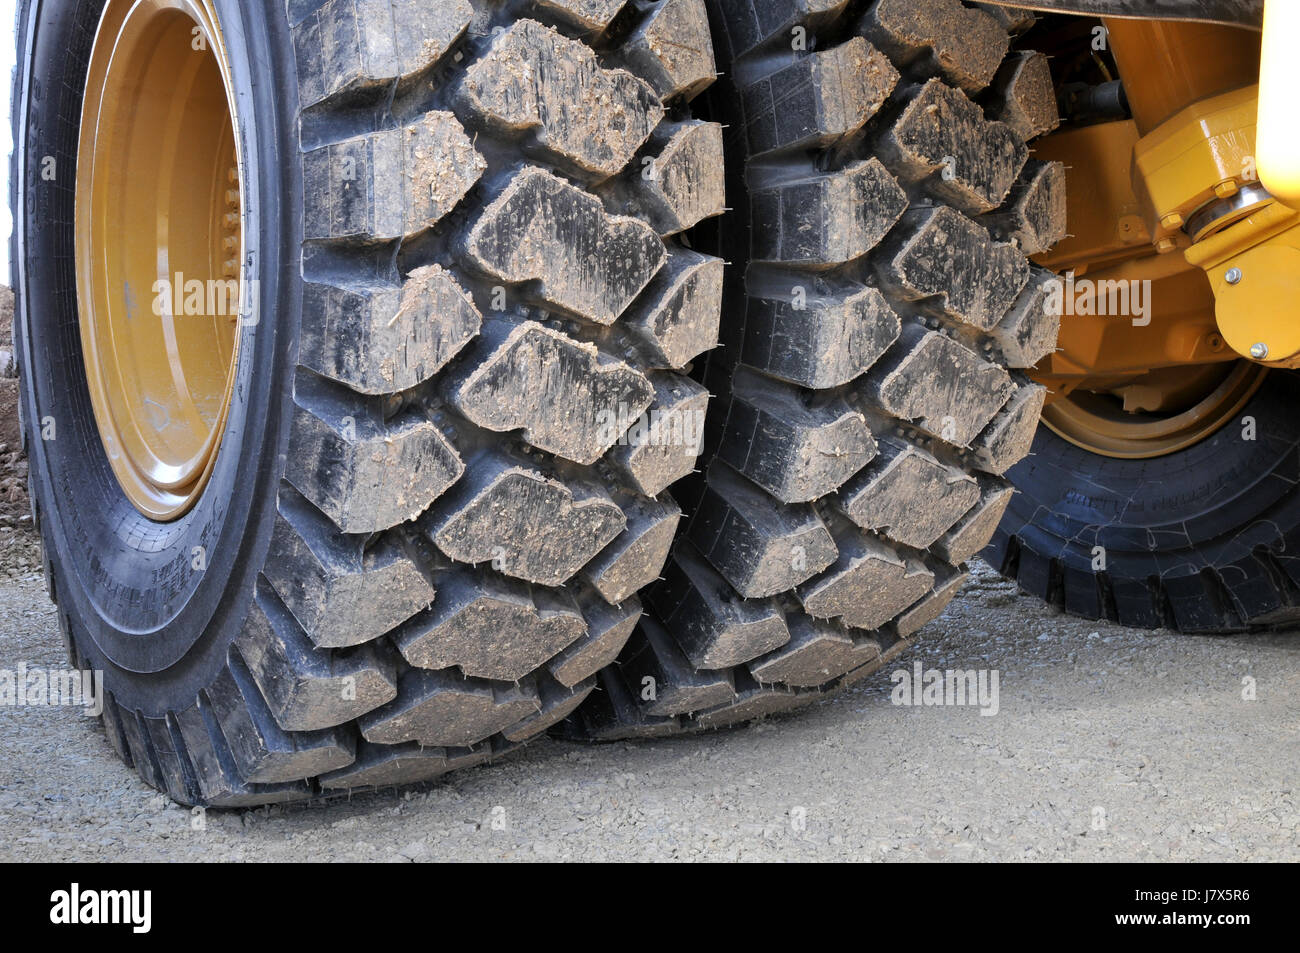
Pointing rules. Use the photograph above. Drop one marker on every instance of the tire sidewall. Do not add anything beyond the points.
(155, 606)
(1206, 506)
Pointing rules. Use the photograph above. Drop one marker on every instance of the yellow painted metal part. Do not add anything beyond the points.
(1204, 154)
(1106, 221)
(159, 239)
(1108, 352)
(1110, 241)
(1279, 82)
(1167, 66)
(1254, 269)
(1099, 422)
(1142, 386)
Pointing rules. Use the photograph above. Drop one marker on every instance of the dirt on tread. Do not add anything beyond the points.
(864, 404)
(459, 544)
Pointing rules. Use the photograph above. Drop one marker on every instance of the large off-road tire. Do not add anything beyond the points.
(867, 397)
(1201, 540)
(424, 533)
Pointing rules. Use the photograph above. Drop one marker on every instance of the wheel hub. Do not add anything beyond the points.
(159, 240)
(1100, 423)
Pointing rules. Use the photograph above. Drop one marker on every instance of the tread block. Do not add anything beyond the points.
(541, 229)
(307, 688)
(1023, 95)
(818, 337)
(636, 556)
(826, 220)
(680, 182)
(529, 526)
(964, 45)
(869, 659)
(595, 16)
(1015, 20)
(749, 706)
(490, 627)
(390, 184)
(1028, 332)
(667, 683)
(262, 752)
(939, 385)
(943, 256)
(861, 672)
(891, 649)
(942, 141)
(382, 766)
(868, 585)
(1200, 602)
(608, 629)
(677, 317)
(442, 709)
(750, 25)
(761, 546)
(533, 80)
(931, 607)
(113, 715)
(816, 653)
(558, 703)
(385, 339)
(559, 391)
(341, 591)
(364, 475)
(168, 749)
(976, 528)
(216, 777)
(1034, 216)
(795, 451)
(1007, 440)
(143, 757)
(659, 447)
(886, 497)
(348, 45)
(712, 626)
(819, 99)
(133, 738)
(672, 49)
(1137, 605)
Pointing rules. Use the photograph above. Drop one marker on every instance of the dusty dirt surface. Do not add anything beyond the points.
(1109, 744)
(18, 554)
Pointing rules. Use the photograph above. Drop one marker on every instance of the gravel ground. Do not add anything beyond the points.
(1109, 744)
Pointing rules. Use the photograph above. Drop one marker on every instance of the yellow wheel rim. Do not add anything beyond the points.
(159, 242)
(1098, 422)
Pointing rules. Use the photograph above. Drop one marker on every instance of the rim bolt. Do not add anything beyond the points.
(1233, 277)
(1259, 351)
